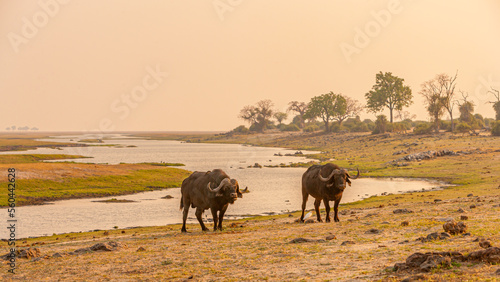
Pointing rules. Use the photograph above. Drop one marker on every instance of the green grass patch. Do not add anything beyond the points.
(38, 191)
(35, 158)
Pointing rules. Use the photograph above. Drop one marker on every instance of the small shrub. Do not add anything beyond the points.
(423, 128)
(311, 128)
(241, 129)
(495, 128)
(463, 127)
(290, 127)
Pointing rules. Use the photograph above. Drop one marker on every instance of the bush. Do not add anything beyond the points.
(290, 127)
(381, 125)
(336, 128)
(311, 128)
(241, 129)
(495, 128)
(463, 127)
(423, 128)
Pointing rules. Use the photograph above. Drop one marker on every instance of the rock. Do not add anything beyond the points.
(472, 206)
(464, 217)
(485, 244)
(141, 249)
(402, 211)
(331, 237)
(429, 261)
(106, 233)
(108, 247)
(29, 253)
(257, 165)
(310, 220)
(437, 200)
(373, 231)
(57, 255)
(304, 240)
(490, 255)
(470, 195)
(167, 197)
(460, 210)
(454, 228)
(348, 243)
(434, 261)
(405, 223)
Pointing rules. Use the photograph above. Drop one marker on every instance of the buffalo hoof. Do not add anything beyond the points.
(337, 220)
(183, 230)
(327, 220)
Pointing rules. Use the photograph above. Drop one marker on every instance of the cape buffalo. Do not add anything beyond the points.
(329, 188)
(212, 190)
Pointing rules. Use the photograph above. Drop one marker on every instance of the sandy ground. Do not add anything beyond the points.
(260, 249)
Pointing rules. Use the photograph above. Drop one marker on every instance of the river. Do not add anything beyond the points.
(272, 190)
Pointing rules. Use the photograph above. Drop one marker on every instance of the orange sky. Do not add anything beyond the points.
(192, 65)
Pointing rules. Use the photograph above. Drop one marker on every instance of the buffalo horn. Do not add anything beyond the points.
(329, 176)
(350, 176)
(225, 180)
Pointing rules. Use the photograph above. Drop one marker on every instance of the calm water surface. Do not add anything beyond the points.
(273, 190)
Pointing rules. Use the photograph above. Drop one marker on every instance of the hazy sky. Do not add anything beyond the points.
(193, 64)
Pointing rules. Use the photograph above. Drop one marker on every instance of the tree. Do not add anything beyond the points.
(258, 116)
(496, 104)
(380, 124)
(326, 106)
(448, 83)
(388, 92)
(300, 108)
(466, 109)
(434, 92)
(280, 116)
(352, 109)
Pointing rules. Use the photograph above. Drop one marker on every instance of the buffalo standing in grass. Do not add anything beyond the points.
(212, 190)
(324, 182)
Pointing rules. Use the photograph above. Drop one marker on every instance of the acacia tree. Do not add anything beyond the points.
(326, 107)
(447, 84)
(496, 104)
(352, 108)
(259, 116)
(280, 116)
(388, 92)
(432, 91)
(300, 108)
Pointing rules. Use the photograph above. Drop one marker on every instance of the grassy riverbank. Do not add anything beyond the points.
(39, 182)
(372, 236)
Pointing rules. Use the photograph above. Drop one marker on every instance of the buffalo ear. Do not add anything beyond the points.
(235, 183)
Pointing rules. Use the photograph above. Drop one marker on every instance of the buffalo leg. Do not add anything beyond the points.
(327, 209)
(304, 201)
(221, 216)
(199, 212)
(184, 216)
(336, 209)
(214, 214)
(317, 202)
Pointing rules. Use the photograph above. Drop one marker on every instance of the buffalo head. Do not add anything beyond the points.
(338, 179)
(228, 189)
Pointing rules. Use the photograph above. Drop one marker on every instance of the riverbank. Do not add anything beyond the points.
(372, 236)
(38, 182)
